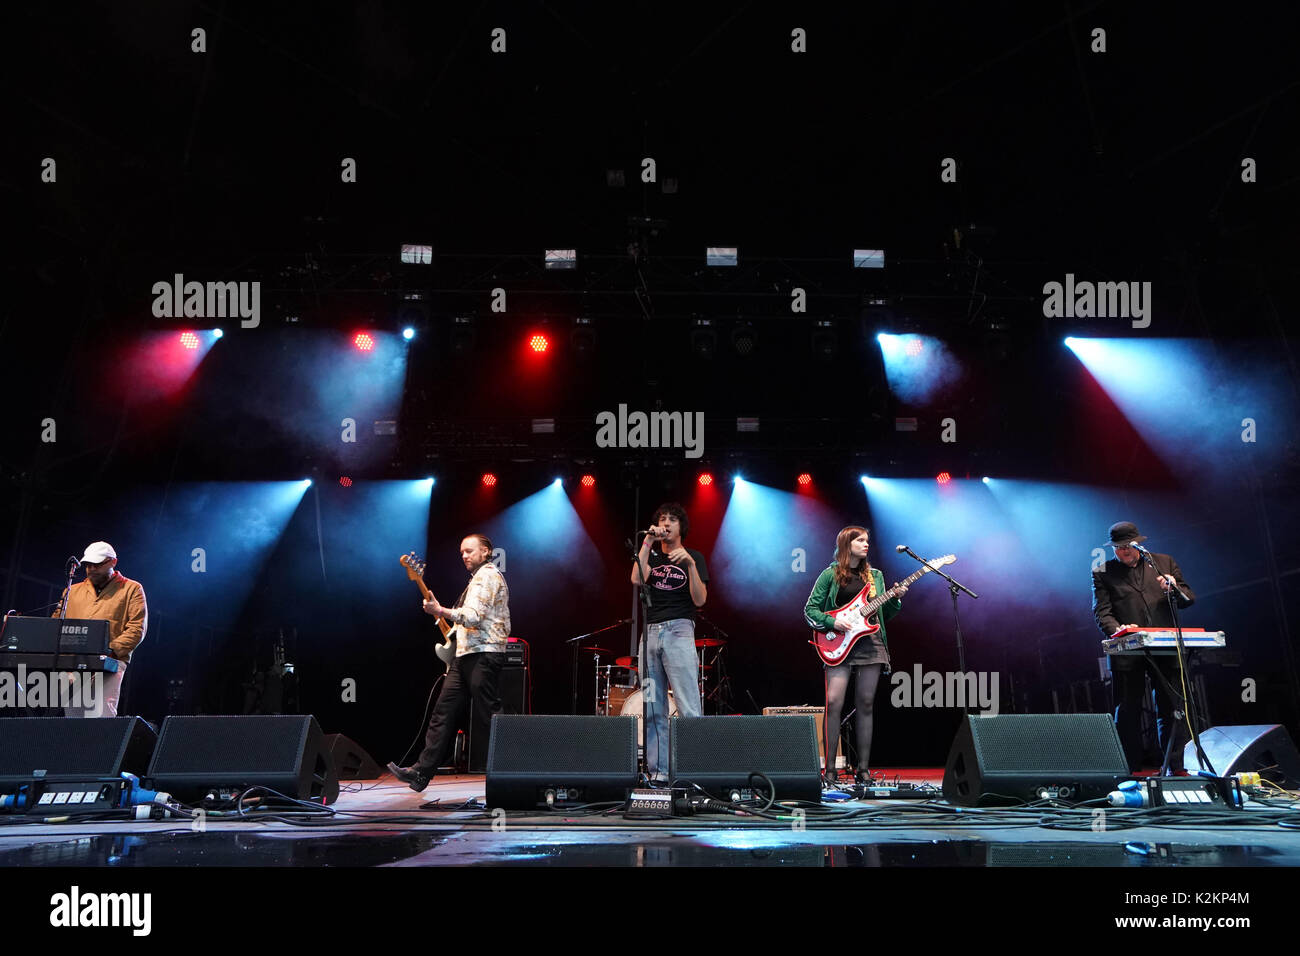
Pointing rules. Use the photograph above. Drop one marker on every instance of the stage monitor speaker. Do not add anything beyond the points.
(287, 754)
(73, 747)
(1012, 758)
(722, 753)
(539, 760)
(1266, 748)
(351, 760)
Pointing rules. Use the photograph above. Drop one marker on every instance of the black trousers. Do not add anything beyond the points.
(472, 677)
(1129, 675)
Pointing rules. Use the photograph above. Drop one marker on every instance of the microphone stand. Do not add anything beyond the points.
(643, 593)
(1188, 712)
(73, 564)
(953, 588)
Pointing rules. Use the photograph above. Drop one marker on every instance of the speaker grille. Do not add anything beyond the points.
(1048, 743)
(69, 745)
(766, 744)
(558, 746)
(243, 745)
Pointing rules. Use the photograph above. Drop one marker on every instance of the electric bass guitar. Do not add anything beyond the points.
(860, 615)
(446, 648)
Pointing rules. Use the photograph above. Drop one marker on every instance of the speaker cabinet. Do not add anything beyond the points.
(722, 753)
(283, 753)
(351, 760)
(1024, 757)
(71, 746)
(542, 760)
(1266, 748)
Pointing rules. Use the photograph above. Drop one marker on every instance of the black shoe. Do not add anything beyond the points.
(413, 777)
(830, 780)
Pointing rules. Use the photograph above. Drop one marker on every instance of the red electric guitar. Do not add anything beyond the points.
(834, 646)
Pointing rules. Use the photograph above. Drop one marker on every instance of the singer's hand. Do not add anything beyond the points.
(432, 606)
(680, 556)
(1167, 582)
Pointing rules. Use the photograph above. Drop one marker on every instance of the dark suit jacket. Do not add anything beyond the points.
(1122, 595)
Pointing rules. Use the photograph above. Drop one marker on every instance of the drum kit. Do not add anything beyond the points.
(618, 691)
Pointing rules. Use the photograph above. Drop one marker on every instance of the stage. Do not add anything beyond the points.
(381, 823)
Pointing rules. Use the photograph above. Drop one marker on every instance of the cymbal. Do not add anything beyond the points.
(625, 662)
(710, 642)
(597, 650)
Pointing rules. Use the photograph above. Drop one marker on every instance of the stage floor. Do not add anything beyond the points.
(383, 823)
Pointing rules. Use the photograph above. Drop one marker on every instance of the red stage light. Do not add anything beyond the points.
(345, 481)
(805, 479)
(364, 342)
(189, 340)
(943, 478)
(915, 347)
(588, 480)
(539, 343)
(706, 479)
(489, 479)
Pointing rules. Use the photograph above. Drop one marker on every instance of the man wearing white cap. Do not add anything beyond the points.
(108, 595)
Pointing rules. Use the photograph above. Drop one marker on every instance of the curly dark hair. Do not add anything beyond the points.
(674, 510)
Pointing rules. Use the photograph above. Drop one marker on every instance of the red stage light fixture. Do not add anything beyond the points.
(915, 347)
(189, 340)
(943, 478)
(489, 479)
(364, 342)
(345, 481)
(706, 479)
(539, 343)
(805, 479)
(588, 481)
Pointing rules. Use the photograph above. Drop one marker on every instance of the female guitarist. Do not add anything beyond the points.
(837, 586)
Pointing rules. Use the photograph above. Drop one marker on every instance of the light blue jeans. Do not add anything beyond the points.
(669, 663)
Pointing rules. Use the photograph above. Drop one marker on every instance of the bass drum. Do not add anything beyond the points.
(634, 704)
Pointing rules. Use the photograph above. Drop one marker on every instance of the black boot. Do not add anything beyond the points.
(413, 777)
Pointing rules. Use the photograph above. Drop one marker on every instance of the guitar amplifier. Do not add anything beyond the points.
(820, 714)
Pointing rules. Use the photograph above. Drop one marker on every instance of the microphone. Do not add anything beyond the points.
(74, 560)
(1137, 547)
(901, 548)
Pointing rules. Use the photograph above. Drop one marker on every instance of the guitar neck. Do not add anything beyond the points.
(889, 594)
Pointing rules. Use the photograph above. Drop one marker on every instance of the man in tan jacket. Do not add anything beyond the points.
(108, 595)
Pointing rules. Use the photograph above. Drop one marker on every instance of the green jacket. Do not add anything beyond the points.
(823, 595)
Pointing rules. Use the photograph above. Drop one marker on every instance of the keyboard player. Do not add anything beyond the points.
(108, 595)
(1128, 592)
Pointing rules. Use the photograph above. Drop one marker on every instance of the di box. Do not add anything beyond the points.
(1012, 758)
(723, 754)
(287, 754)
(542, 760)
(73, 747)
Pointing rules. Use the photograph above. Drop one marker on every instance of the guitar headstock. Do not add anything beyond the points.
(937, 563)
(414, 566)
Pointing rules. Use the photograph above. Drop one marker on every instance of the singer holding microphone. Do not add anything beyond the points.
(1130, 590)
(835, 587)
(675, 577)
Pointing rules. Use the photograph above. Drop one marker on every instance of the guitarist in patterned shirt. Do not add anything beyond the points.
(482, 617)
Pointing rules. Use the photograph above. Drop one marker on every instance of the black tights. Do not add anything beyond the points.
(837, 686)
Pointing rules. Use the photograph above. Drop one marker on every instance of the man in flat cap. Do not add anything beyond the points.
(108, 595)
(1128, 592)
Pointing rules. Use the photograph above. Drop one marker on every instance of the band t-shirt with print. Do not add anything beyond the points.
(670, 586)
